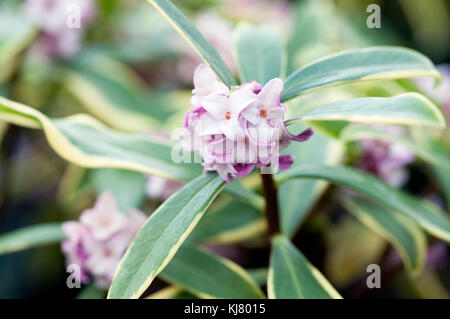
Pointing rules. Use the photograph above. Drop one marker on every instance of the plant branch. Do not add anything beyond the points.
(271, 207)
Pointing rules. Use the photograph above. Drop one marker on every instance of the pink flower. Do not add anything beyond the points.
(96, 245)
(104, 219)
(205, 83)
(223, 113)
(386, 160)
(73, 248)
(267, 107)
(56, 46)
(104, 256)
(52, 15)
(58, 39)
(234, 131)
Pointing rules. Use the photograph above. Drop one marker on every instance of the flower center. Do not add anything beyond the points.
(262, 113)
(228, 115)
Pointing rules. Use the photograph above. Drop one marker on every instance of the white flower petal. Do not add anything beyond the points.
(231, 128)
(275, 113)
(104, 219)
(240, 99)
(216, 105)
(204, 78)
(251, 114)
(106, 203)
(207, 125)
(271, 93)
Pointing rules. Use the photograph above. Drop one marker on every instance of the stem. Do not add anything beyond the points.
(271, 208)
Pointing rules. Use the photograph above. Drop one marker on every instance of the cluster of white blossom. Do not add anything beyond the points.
(236, 130)
(97, 242)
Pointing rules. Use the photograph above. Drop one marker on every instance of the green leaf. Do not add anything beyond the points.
(162, 235)
(297, 197)
(143, 22)
(112, 93)
(245, 194)
(291, 275)
(91, 292)
(259, 275)
(259, 53)
(434, 143)
(373, 63)
(210, 276)
(16, 32)
(190, 33)
(360, 132)
(128, 187)
(403, 109)
(400, 231)
(232, 223)
(171, 292)
(83, 141)
(308, 33)
(331, 128)
(30, 237)
(427, 215)
(442, 175)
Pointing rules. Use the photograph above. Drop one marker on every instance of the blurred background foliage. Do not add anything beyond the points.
(134, 74)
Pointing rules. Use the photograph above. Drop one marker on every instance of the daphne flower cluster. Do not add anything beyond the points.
(386, 160)
(97, 242)
(58, 37)
(236, 130)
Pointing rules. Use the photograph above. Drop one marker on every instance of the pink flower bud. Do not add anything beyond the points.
(386, 160)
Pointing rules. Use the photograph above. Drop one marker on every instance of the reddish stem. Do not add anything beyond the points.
(271, 208)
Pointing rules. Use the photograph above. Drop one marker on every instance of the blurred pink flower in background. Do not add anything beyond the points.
(440, 94)
(104, 219)
(234, 131)
(56, 46)
(160, 188)
(218, 32)
(57, 39)
(97, 242)
(276, 13)
(386, 160)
